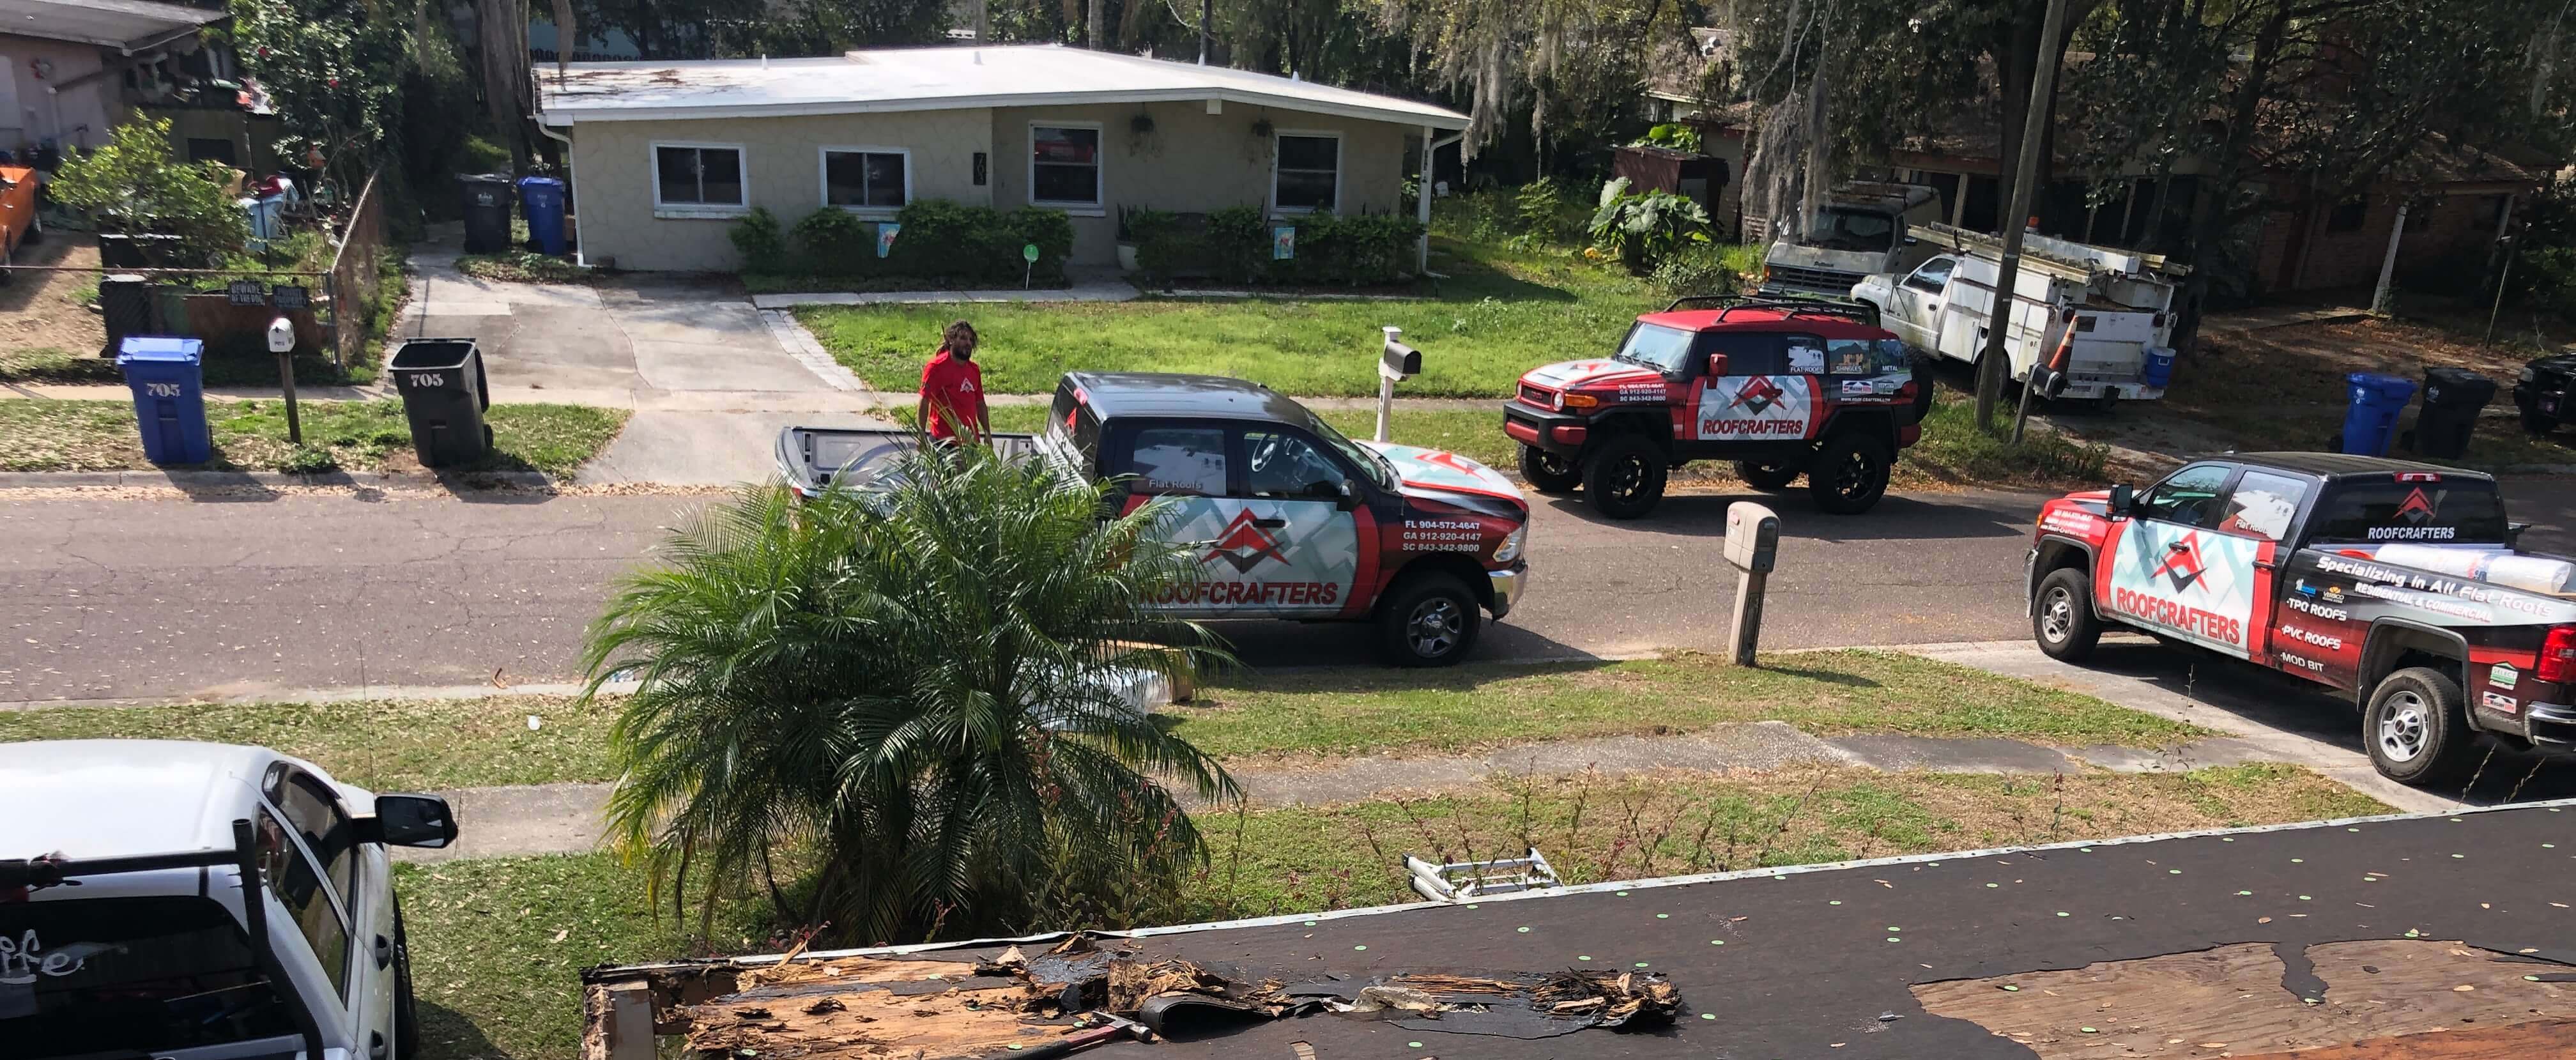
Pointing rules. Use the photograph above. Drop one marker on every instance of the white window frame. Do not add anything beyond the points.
(1099, 163)
(1334, 135)
(823, 176)
(687, 210)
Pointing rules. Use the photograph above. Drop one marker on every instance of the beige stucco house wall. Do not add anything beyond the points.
(1193, 161)
(75, 103)
(612, 176)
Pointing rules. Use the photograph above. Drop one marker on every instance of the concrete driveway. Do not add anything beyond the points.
(689, 360)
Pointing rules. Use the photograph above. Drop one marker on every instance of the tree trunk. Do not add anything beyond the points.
(2211, 210)
(1091, 26)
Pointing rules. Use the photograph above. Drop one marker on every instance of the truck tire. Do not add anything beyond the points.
(2537, 423)
(1769, 478)
(2415, 729)
(1549, 473)
(1624, 478)
(1850, 473)
(2061, 615)
(1428, 619)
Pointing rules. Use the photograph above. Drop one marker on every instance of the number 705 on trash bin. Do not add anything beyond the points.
(161, 390)
(428, 379)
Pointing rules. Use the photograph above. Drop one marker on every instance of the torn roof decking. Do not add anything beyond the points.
(1811, 958)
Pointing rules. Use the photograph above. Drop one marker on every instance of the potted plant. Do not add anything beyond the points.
(1136, 224)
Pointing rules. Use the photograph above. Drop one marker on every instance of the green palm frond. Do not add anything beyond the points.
(919, 685)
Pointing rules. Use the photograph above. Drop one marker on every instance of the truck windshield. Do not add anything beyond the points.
(1844, 228)
(1658, 347)
(2468, 511)
(93, 976)
(1360, 456)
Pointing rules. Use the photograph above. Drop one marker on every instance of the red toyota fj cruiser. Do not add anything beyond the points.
(1783, 387)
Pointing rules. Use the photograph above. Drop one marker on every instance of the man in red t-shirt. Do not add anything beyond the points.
(952, 388)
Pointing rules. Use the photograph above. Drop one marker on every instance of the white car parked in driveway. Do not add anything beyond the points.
(123, 930)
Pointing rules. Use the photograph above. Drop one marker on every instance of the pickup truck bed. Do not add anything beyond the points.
(812, 458)
(2352, 938)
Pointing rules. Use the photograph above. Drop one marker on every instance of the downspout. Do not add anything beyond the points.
(1422, 198)
(579, 258)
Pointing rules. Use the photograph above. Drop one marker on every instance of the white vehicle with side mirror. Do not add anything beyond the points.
(124, 932)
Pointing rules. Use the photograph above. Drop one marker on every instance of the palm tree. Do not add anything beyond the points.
(917, 686)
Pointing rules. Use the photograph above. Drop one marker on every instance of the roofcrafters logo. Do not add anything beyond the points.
(2415, 514)
(1757, 393)
(2182, 565)
(1244, 544)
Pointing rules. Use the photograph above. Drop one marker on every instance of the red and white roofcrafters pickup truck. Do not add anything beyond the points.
(2395, 583)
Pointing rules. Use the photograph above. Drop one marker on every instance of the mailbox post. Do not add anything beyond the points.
(1395, 361)
(1752, 547)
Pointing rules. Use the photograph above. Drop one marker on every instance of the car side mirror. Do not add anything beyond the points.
(1910, 241)
(1347, 496)
(2123, 497)
(1717, 364)
(422, 821)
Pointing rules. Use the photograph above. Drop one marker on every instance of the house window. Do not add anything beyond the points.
(699, 178)
(1307, 173)
(2491, 211)
(2348, 214)
(1064, 165)
(867, 178)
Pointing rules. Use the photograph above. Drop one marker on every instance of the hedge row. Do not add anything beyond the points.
(1234, 246)
(940, 242)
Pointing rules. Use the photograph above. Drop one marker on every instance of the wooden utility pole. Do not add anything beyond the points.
(983, 21)
(1993, 364)
(1207, 16)
(1091, 25)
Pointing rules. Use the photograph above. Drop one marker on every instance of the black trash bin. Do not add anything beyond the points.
(2453, 397)
(487, 211)
(444, 395)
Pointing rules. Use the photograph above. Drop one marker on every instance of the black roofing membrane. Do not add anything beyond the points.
(1810, 959)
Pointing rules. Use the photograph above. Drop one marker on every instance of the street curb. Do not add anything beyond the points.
(213, 480)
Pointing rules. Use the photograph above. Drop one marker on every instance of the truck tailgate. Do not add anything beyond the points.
(813, 458)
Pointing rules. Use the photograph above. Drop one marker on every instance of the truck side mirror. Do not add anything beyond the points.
(413, 821)
(1717, 364)
(1348, 496)
(2513, 534)
(2123, 497)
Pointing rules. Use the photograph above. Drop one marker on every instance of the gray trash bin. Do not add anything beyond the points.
(444, 394)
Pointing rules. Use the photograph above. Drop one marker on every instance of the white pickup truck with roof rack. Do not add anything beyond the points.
(165, 900)
(2117, 303)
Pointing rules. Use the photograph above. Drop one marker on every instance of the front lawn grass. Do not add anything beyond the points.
(401, 745)
(47, 435)
(1500, 313)
(1319, 713)
(53, 364)
(498, 945)
(383, 744)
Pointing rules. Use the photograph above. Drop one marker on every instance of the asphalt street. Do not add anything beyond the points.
(121, 598)
(229, 596)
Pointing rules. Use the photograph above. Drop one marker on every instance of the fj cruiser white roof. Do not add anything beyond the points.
(113, 798)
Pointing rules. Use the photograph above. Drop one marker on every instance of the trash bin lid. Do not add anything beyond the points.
(502, 179)
(539, 182)
(160, 348)
(2391, 387)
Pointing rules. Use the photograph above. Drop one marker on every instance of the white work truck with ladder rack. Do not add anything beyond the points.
(2118, 303)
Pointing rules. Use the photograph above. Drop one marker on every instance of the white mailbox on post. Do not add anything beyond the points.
(1753, 547)
(1395, 360)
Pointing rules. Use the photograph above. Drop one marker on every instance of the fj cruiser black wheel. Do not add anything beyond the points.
(1429, 619)
(1850, 473)
(2536, 422)
(406, 1010)
(2061, 616)
(1624, 478)
(2415, 729)
(1768, 478)
(1549, 473)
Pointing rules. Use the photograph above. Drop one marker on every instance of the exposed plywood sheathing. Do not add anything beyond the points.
(2245, 1000)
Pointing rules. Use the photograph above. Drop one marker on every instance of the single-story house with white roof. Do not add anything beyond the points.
(666, 156)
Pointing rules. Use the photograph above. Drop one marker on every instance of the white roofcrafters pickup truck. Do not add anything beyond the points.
(123, 930)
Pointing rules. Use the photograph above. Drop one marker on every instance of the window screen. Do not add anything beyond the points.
(863, 178)
(1308, 176)
(1064, 165)
(699, 176)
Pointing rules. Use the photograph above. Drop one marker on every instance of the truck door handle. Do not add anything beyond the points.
(375, 1045)
(384, 951)
(1271, 524)
(2177, 547)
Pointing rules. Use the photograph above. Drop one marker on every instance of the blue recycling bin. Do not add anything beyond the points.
(2370, 422)
(542, 199)
(168, 380)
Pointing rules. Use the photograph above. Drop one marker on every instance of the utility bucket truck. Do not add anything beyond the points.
(2099, 319)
